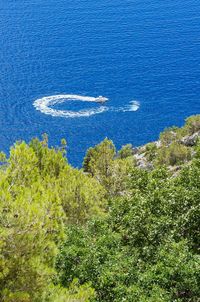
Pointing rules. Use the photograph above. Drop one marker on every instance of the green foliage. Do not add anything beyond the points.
(169, 135)
(81, 195)
(39, 192)
(176, 146)
(98, 159)
(174, 154)
(111, 172)
(2, 157)
(150, 151)
(75, 293)
(125, 151)
(117, 182)
(192, 124)
(30, 225)
(50, 161)
(108, 233)
(146, 249)
(176, 270)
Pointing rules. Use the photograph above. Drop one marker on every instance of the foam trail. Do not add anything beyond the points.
(44, 104)
(132, 106)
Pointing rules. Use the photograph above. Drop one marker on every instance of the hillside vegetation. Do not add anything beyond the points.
(125, 227)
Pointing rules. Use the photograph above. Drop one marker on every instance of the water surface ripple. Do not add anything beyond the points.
(145, 52)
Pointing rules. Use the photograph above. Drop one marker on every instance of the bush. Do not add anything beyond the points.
(192, 124)
(168, 135)
(150, 151)
(125, 151)
(174, 154)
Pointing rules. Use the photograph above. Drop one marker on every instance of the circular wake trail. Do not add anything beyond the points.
(45, 105)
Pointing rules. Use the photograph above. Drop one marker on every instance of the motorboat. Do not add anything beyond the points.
(101, 99)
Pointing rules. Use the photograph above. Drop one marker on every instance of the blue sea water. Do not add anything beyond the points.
(126, 50)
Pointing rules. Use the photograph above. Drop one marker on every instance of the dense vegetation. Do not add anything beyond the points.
(110, 232)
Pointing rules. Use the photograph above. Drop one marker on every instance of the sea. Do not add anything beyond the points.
(58, 56)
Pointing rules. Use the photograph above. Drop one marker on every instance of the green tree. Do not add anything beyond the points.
(146, 248)
(39, 191)
(30, 226)
(98, 159)
(125, 151)
(81, 195)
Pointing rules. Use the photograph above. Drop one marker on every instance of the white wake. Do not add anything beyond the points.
(45, 105)
(132, 106)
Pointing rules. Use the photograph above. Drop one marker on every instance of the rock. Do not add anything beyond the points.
(135, 150)
(191, 140)
(158, 143)
(139, 157)
(145, 165)
(142, 162)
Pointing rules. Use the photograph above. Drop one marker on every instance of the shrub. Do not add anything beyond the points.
(168, 135)
(192, 124)
(150, 151)
(174, 154)
(125, 151)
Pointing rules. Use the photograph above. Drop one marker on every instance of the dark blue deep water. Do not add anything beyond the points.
(126, 50)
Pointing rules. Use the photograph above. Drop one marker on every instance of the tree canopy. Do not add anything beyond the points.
(110, 232)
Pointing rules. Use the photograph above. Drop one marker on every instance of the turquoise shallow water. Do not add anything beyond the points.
(130, 50)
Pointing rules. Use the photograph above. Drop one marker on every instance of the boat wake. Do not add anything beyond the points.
(45, 105)
(132, 106)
